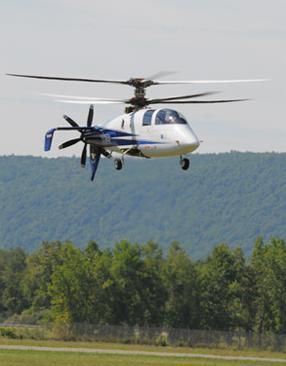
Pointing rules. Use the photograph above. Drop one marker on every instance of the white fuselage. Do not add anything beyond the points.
(157, 133)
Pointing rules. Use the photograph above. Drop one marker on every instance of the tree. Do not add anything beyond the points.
(69, 287)
(13, 265)
(154, 290)
(221, 287)
(40, 267)
(102, 302)
(269, 264)
(127, 271)
(180, 280)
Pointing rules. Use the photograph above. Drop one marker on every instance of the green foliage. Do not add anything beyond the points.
(221, 278)
(269, 264)
(231, 197)
(69, 286)
(12, 268)
(134, 284)
(162, 339)
(181, 282)
(7, 333)
(41, 266)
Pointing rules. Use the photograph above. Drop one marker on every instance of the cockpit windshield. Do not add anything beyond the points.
(169, 116)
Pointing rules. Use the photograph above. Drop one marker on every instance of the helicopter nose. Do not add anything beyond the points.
(190, 141)
(187, 140)
(195, 140)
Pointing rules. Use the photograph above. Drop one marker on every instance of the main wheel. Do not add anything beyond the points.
(185, 163)
(118, 164)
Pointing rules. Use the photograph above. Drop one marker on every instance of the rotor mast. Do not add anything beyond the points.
(139, 100)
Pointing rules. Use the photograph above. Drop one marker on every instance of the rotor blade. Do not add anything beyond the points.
(159, 82)
(127, 82)
(69, 143)
(70, 121)
(204, 101)
(89, 101)
(160, 74)
(94, 160)
(83, 156)
(90, 116)
(69, 79)
(159, 100)
(76, 97)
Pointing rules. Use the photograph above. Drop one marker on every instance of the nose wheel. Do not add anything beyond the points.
(118, 163)
(185, 163)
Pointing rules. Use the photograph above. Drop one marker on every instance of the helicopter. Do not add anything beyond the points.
(142, 130)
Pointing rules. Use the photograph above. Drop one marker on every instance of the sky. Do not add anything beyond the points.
(202, 39)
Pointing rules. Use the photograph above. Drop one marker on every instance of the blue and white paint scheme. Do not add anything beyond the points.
(141, 131)
(156, 133)
(146, 133)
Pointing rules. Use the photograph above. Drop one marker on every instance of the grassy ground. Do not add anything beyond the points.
(35, 358)
(113, 346)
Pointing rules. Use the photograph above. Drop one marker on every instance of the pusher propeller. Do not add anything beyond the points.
(95, 151)
(69, 143)
(70, 121)
(81, 138)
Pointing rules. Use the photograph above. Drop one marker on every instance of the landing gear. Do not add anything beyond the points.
(185, 163)
(118, 163)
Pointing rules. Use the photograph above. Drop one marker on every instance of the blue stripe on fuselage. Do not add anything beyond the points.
(121, 142)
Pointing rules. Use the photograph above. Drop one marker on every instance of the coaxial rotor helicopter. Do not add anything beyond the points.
(142, 131)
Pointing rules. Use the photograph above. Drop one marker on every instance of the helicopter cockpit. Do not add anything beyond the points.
(169, 116)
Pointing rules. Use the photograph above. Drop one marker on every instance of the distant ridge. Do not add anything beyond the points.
(229, 197)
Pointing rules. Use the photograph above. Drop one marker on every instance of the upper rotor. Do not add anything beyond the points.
(140, 85)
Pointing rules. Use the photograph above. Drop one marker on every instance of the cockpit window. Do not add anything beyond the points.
(147, 117)
(168, 116)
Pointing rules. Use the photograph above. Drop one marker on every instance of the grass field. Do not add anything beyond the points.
(43, 358)
(119, 346)
(36, 358)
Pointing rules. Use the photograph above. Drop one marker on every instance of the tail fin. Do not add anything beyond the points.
(49, 139)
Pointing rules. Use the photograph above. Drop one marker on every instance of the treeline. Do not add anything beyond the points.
(140, 285)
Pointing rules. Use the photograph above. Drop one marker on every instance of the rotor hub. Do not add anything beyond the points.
(139, 92)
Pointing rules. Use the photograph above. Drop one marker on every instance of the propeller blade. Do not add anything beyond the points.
(83, 156)
(70, 121)
(90, 116)
(69, 143)
(94, 160)
(204, 101)
(159, 100)
(80, 128)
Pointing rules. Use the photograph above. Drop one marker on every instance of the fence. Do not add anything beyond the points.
(150, 335)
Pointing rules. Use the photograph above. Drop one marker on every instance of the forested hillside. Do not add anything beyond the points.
(231, 197)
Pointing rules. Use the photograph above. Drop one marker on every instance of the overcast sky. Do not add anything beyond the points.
(202, 39)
